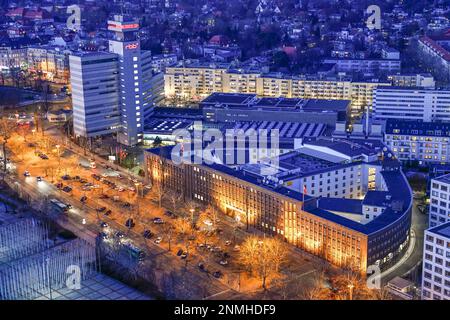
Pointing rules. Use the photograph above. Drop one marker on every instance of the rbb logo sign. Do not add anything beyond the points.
(131, 46)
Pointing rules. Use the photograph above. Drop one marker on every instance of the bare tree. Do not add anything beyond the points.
(262, 256)
(168, 233)
(6, 131)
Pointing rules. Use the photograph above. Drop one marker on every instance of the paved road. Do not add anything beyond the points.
(409, 267)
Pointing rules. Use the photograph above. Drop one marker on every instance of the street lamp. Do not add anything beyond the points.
(350, 287)
(192, 215)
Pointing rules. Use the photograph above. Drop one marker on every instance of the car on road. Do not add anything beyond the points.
(158, 221)
(130, 223)
(67, 189)
(217, 274)
(147, 234)
(27, 174)
(158, 240)
(101, 209)
(126, 205)
(119, 235)
(39, 179)
(170, 214)
(223, 262)
(103, 224)
(103, 235)
(201, 266)
(107, 212)
(83, 199)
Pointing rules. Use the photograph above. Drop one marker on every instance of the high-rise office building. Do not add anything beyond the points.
(131, 91)
(135, 71)
(95, 99)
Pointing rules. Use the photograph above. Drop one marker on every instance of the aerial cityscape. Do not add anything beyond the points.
(224, 150)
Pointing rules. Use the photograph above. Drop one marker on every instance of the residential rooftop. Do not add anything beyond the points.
(441, 230)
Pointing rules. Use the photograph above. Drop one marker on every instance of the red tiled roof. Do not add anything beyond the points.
(18, 12)
(443, 53)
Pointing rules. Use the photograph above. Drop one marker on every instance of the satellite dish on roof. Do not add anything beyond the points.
(385, 149)
(389, 155)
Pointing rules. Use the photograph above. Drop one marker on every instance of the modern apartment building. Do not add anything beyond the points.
(365, 65)
(436, 263)
(411, 104)
(94, 78)
(336, 199)
(439, 200)
(423, 80)
(413, 140)
(196, 81)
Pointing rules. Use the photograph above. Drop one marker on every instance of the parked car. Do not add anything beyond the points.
(223, 262)
(201, 266)
(103, 224)
(184, 255)
(83, 199)
(65, 177)
(119, 235)
(217, 274)
(147, 234)
(67, 189)
(103, 235)
(169, 214)
(104, 196)
(43, 156)
(27, 174)
(130, 223)
(158, 221)
(107, 212)
(38, 179)
(101, 209)
(179, 252)
(158, 240)
(59, 185)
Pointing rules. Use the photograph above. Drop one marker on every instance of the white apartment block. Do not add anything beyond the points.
(424, 142)
(95, 99)
(411, 104)
(424, 80)
(197, 81)
(436, 263)
(439, 201)
(365, 65)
